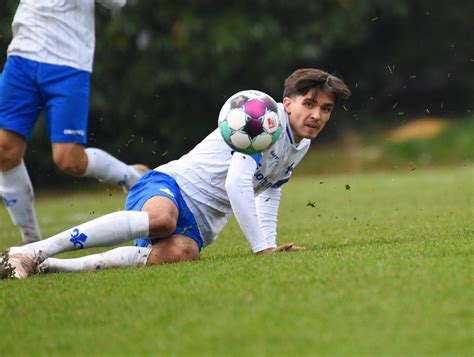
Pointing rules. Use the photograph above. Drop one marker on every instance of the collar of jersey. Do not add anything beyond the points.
(290, 135)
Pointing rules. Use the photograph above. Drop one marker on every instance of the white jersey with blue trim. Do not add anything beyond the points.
(202, 173)
(59, 32)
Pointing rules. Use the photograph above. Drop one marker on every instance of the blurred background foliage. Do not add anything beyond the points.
(163, 69)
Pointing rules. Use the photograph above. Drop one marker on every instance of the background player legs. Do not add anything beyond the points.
(76, 160)
(17, 191)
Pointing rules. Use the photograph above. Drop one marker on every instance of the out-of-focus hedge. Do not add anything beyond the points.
(163, 69)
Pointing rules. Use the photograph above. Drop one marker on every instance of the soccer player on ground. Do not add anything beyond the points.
(180, 207)
(48, 67)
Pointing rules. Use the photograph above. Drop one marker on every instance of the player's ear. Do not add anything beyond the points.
(287, 104)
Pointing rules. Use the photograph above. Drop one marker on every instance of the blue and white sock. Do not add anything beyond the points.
(18, 196)
(106, 168)
(112, 229)
(120, 257)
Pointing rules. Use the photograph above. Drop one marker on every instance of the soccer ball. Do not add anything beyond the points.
(249, 122)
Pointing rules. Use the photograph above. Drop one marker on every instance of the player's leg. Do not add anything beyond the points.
(112, 229)
(173, 235)
(161, 216)
(75, 160)
(177, 223)
(12, 150)
(67, 94)
(174, 249)
(15, 186)
(183, 240)
(120, 257)
(20, 104)
(177, 248)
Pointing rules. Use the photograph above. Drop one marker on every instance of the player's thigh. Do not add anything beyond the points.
(177, 248)
(12, 149)
(20, 100)
(66, 91)
(163, 215)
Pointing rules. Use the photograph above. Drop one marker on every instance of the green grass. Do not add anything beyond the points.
(388, 270)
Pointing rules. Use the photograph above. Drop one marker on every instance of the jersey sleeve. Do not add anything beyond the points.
(239, 187)
(267, 210)
(112, 4)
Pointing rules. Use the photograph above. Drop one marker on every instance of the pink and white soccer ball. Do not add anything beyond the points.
(249, 122)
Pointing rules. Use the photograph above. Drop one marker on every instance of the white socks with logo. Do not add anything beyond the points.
(19, 199)
(108, 169)
(115, 258)
(111, 229)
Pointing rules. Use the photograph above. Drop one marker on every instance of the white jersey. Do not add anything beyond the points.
(211, 175)
(60, 32)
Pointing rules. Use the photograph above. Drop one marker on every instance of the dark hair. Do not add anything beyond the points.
(303, 80)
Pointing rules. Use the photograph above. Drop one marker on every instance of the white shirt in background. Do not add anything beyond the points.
(60, 32)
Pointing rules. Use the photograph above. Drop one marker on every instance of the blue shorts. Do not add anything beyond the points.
(155, 183)
(27, 87)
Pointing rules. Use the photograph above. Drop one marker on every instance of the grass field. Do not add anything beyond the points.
(388, 270)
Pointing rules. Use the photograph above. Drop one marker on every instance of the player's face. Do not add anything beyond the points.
(308, 114)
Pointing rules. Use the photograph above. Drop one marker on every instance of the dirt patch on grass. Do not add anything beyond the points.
(422, 128)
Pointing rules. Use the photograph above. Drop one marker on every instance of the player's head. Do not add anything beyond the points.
(309, 96)
(305, 80)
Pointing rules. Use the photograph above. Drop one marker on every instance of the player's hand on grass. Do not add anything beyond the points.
(282, 248)
(289, 247)
(266, 251)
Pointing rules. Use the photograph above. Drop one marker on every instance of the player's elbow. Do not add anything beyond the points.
(231, 193)
(228, 187)
(231, 183)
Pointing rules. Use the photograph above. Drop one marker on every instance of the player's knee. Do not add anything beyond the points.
(162, 225)
(184, 248)
(183, 255)
(69, 162)
(10, 155)
(69, 166)
(189, 252)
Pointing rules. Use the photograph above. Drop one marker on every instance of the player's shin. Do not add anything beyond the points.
(111, 229)
(116, 258)
(17, 194)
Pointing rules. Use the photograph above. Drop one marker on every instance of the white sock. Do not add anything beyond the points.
(19, 198)
(111, 229)
(108, 169)
(116, 258)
